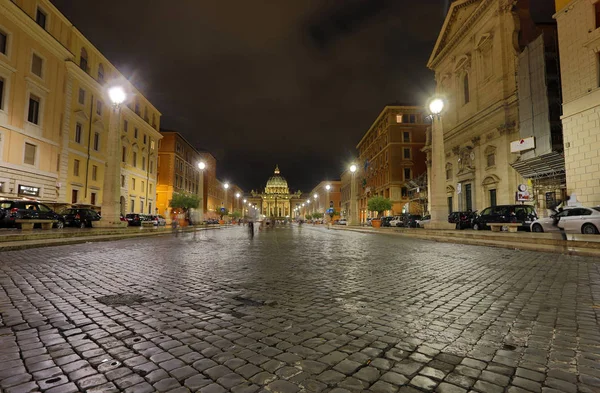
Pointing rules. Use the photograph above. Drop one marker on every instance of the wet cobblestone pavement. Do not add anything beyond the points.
(298, 309)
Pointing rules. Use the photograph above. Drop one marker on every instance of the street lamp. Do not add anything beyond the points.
(201, 167)
(353, 202)
(226, 186)
(437, 176)
(237, 196)
(111, 192)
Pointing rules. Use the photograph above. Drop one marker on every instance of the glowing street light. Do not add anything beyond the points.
(117, 95)
(353, 168)
(201, 165)
(436, 106)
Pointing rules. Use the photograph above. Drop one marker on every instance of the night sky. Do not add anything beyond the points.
(259, 83)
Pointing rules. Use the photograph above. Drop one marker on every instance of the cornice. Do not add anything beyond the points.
(24, 21)
(442, 47)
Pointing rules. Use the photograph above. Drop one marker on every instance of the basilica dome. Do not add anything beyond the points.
(277, 184)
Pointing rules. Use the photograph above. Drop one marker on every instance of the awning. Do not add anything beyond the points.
(547, 165)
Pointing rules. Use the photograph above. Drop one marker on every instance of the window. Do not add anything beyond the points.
(134, 159)
(406, 136)
(37, 64)
(78, 128)
(41, 18)
(137, 108)
(404, 192)
(96, 141)
(597, 12)
(135, 132)
(132, 205)
(3, 42)
(93, 198)
(491, 160)
(94, 172)
(150, 188)
(449, 205)
(29, 158)
(466, 95)
(143, 187)
(407, 153)
(153, 121)
(58, 163)
(146, 114)
(413, 118)
(493, 198)
(151, 166)
(448, 172)
(125, 125)
(124, 154)
(76, 167)
(406, 173)
(33, 114)
(99, 106)
(145, 136)
(149, 208)
(143, 163)
(101, 74)
(81, 99)
(398, 118)
(83, 60)
(74, 196)
(122, 180)
(133, 183)
(1, 93)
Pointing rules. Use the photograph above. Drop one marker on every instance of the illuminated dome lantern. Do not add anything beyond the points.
(277, 184)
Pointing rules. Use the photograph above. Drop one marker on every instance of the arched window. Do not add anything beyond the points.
(448, 171)
(83, 60)
(101, 74)
(466, 94)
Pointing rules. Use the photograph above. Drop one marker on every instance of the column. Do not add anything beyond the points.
(438, 204)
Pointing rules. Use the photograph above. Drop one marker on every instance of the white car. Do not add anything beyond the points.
(397, 220)
(574, 220)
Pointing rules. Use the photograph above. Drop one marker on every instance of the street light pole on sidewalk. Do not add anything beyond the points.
(353, 204)
(111, 192)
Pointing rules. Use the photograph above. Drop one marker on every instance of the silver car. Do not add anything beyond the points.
(574, 220)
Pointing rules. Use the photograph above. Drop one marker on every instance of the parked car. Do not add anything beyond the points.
(575, 219)
(424, 221)
(462, 219)
(412, 221)
(522, 214)
(134, 219)
(342, 221)
(81, 218)
(12, 210)
(159, 221)
(385, 221)
(398, 221)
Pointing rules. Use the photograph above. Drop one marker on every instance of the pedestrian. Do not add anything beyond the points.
(251, 228)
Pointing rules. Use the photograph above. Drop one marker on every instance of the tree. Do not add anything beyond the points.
(236, 214)
(308, 216)
(317, 215)
(184, 201)
(379, 204)
(223, 212)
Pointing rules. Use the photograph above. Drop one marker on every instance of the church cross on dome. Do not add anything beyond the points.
(277, 169)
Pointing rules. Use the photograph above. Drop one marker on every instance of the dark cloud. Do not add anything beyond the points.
(265, 82)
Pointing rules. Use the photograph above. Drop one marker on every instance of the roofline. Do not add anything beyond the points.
(387, 107)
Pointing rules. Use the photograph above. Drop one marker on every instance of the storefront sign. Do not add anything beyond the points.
(523, 196)
(29, 190)
(522, 144)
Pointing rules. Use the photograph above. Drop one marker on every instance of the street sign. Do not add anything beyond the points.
(330, 210)
(522, 144)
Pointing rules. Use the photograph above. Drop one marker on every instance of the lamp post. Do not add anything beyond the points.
(437, 205)
(201, 167)
(225, 186)
(237, 197)
(111, 191)
(315, 205)
(353, 201)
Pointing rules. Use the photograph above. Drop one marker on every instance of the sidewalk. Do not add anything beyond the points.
(19, 240)
(576, 244)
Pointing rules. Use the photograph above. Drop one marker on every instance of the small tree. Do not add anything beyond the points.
(236, 215)
(308, 216)
(223, 212)
(317, 215)
(184, 201)
(379, 204)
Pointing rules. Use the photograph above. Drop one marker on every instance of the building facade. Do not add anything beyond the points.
(390, 156)
(275, 201)
(321, 199)
(474, 60)
(178, 171)
(54, 104)
(579, 45)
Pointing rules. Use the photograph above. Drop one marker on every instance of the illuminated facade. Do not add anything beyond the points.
(55, 115)
(276, 201)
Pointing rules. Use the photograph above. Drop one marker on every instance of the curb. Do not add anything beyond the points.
(26, 244)
(571, 247)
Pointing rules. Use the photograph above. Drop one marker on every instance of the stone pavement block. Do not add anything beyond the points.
(15, 380)
(483, 386)
(91, 381)
(23, 388)
(108, 387)
(143, 387)
(66, 388)
(383, 387)
(213, 388)
(164, 385)
(448, 388)
(423, 383)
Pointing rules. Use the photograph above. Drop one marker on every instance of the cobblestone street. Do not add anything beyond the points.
(297, 309)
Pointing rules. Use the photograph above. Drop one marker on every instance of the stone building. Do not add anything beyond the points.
(579, 45)
(475, 60)
(326, 198)
(389, 156)
(276, 200)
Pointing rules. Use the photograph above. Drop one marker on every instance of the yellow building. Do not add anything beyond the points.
(55, 105)
(276, 200)
(32, 76)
